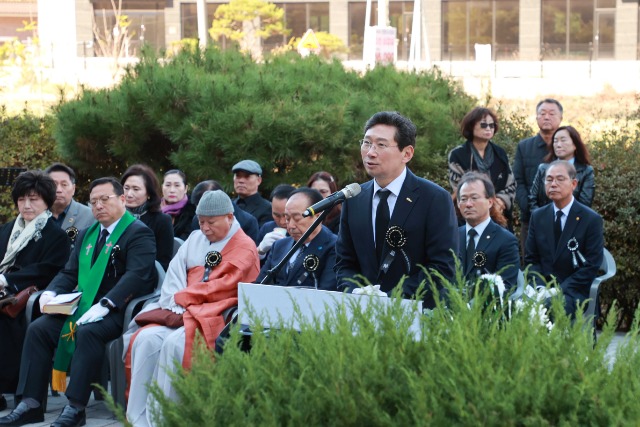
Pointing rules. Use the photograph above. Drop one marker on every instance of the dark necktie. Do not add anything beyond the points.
(382, 221)
(99, 245)
(471, 248)
(557, 227)
(298, 256)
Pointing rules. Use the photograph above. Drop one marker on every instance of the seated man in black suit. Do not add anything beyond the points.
(399, 223)
(490, 248)
(113, 263)
(312, 265)
(566, 238)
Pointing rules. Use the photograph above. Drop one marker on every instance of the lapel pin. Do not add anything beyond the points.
(577, 218)
(409, 200)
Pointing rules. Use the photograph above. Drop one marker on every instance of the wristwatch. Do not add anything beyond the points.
(106, 303)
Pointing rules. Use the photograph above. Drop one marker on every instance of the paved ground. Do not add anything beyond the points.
(98, 415)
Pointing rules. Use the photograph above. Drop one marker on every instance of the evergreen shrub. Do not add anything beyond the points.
(27, 142)
(204, 111)
(616, 162)
(468, 367)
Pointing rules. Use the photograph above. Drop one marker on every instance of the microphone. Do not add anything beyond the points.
(348, 192)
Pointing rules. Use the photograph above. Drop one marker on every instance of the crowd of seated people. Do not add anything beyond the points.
(396, 225)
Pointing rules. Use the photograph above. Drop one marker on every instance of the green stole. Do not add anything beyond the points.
(89, 280)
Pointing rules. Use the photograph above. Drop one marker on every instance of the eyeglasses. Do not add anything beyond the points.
(484, 125)
(377, 146)
(102, 200)
(472, 199)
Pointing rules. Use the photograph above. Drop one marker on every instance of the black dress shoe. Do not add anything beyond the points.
(3, 403)
(23, 415)
(70, 417)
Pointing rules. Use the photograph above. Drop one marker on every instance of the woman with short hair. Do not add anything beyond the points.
(32, 250)
(479, 153)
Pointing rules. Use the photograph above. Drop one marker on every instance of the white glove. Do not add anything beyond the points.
(370, 290)
(268, 240)
(94, 314)
(45, 298)
(175, 307)
(3, 282)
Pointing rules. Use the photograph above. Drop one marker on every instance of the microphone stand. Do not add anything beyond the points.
(271, 274)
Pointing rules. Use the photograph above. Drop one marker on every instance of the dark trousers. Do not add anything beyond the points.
(12, 333)
(86, 364)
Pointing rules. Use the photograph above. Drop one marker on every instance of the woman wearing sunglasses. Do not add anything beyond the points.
(480, 154)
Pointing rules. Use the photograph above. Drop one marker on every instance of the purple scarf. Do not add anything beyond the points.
(174, 208)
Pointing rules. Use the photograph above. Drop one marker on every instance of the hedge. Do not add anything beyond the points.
(204, 111)
(468, 368)
(27, 142)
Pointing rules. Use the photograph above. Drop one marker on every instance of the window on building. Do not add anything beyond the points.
(467, 22)
(578, 29)
(146, 26)
(189, 18)
(299, 17)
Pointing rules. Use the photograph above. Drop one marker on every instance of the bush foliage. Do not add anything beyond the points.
(616, 161)
(467, 368)
(204, 111)
(27, 142)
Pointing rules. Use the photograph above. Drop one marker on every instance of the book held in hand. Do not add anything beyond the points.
(63, 304)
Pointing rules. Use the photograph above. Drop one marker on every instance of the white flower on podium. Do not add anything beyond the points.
(496, 280)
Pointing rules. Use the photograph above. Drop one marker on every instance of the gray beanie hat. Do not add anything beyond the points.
(214, 203)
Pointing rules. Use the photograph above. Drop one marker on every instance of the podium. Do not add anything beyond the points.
(276, 305)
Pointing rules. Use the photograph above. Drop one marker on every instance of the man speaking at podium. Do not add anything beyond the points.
(399, 222)
(312, 264)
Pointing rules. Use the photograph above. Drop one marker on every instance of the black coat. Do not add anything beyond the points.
(544, 257)
(461, 161)
(182, 222)
(160, 224)
(132, 274)
(36, 264)
(425, 212)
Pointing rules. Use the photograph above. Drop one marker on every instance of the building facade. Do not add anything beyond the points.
(526, 30)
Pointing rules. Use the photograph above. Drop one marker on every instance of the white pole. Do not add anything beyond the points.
(414, 48)
(201, 10)
(383, 13)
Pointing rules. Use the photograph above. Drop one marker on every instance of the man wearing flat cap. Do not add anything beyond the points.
(201, 283)
(247, 177)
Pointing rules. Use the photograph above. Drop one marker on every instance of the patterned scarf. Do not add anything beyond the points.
(21, 235)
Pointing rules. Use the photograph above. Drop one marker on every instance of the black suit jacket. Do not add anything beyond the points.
(131, 274)
(425, 212)
(322, 246)
(543, 256)
(39, 261)
(501, 248)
